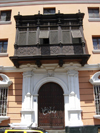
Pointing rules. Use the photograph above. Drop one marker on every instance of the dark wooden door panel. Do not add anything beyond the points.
(51, 106)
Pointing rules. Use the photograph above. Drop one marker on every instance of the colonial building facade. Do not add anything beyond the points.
(49, 64)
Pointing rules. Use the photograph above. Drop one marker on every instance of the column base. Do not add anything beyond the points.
(27, 116)
(74, 118)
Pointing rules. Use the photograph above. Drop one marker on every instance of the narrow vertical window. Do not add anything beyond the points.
(3, 46)
(97, 98)
(96, 42)
(3, 101)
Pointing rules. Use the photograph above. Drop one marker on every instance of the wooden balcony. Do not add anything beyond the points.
(55, 38)
(59, 53)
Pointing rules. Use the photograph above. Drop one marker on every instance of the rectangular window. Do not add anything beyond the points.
(49, 11)
(5, 15)
(97, 98)
(93, 13)
(96, 42)
(3, 46)
(3, 101)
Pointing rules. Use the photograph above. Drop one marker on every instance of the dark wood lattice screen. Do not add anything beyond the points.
(32, 38)
(66, 37)
(53, 37)
(22, 38)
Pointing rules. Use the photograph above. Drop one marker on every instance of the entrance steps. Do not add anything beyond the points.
(55, 131)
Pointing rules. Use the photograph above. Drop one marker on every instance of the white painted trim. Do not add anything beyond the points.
(94, 79)
(3, 54)
(9, 1)
(40, 70)
(5, 22)
(21, 3)
(96, 51)
(50, 79)
(96, 116)
(6, 82)
(2, 118)
(94, 19)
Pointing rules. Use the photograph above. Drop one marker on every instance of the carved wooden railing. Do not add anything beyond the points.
(49, 49)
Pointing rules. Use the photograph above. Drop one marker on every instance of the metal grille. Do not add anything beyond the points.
(97, 99)
(3, 101)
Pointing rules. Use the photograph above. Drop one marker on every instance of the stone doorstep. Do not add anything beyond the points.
(55, 131)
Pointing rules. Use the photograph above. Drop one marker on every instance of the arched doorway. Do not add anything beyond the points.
(51, 106)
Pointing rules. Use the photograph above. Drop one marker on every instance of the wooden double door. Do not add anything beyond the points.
(51, 106)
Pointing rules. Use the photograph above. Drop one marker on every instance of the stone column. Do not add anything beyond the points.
(74, 112)
(66, 107)
(27, 99)
(35, 116)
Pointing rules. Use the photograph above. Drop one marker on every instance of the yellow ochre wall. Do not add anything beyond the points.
(87, 98)
(14, 103)
(7, 31)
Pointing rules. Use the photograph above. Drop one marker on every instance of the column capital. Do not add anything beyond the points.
(72, 72)
(35, 95)
(27, 74)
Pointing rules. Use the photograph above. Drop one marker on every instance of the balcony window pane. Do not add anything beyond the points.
(76, 34)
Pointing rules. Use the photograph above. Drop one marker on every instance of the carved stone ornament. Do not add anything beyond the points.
(95, 79)
(4, 81)
(50, 73)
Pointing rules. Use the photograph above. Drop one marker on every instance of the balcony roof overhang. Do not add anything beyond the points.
(39, 60)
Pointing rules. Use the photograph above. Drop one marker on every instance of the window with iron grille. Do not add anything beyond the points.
(3, 101)
(96, 42)
(3, 46)
(94, 13)
(97, 98)
(5, 15)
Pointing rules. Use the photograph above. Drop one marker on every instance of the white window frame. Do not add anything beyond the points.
(4, 83)
(95, 81)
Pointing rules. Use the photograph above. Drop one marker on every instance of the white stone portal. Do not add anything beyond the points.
(69, 83)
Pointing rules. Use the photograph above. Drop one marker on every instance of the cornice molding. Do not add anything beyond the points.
(6, 3)
(65, 68)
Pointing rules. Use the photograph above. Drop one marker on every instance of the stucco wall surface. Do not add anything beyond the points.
(14, 103)
(8, 31)
(87, 99)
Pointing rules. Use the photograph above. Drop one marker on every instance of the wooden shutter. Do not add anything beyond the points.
(66, 37)
(53, 37)
(22, 38)
(32, 38)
